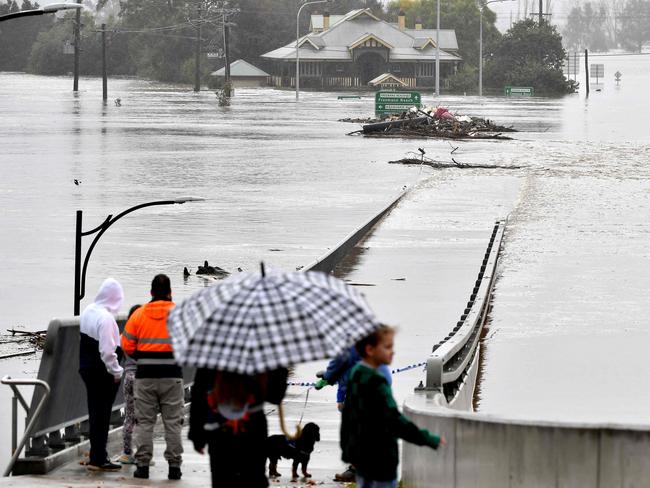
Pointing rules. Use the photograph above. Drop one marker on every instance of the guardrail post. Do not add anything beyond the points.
(71, 434)
(434, 375)
(37, 447)
(55, 440)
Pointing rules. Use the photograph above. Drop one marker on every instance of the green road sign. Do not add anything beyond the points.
(391, 102)
(519, 91)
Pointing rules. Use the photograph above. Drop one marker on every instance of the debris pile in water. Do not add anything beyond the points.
(434, 122)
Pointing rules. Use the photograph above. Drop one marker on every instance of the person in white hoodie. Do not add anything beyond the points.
(99, 367)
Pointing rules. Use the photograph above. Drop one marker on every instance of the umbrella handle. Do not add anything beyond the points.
(283, 427)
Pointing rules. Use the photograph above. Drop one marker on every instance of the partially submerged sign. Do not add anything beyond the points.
(391, 102)
(597, 71)
(519, 91)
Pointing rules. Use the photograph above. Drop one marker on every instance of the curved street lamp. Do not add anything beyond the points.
(297, 38)
(480, 44)
(79, 272)
(47, 9)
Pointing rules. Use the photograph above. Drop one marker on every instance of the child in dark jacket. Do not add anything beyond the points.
(371, 422)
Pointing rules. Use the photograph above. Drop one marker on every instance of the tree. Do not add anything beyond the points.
(529, 54)
(587, 28)
(461, 15)
(635, 29)
(18, 35)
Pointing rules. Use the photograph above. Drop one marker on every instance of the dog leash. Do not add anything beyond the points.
(304, 407)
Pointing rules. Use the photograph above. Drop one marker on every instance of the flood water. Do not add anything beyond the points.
(283, 184)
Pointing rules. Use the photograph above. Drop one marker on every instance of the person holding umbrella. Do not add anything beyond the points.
(242, 334)
(227, 414)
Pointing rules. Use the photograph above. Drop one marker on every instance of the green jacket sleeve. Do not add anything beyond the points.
(404, 428)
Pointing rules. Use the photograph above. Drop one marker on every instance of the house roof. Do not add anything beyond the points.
(337, 42)
(241, 68)
(386, 78)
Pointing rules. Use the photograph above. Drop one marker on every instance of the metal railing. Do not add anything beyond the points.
(452, 356)
(13, 384)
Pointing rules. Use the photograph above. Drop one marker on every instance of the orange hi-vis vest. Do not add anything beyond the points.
(145, 338)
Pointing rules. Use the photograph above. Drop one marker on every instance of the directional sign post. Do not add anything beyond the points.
(391, 102)
(519, 91)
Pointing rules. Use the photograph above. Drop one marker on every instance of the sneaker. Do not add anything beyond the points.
(141, 472)
(174, 473)
(107, 466)
(126, 459)
(346, 476)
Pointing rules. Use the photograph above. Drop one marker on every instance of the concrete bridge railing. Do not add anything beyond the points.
(450, 368)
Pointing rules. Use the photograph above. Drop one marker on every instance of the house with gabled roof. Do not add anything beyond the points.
(348, 51)
(242, 74)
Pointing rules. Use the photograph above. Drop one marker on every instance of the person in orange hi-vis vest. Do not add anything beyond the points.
(158, 379)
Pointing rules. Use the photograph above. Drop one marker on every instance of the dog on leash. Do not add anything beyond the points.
(278, 446)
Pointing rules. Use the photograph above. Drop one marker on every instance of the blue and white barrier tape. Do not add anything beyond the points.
(394, 371)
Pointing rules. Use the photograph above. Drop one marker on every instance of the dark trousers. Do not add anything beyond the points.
(101, 389)
(239, 460)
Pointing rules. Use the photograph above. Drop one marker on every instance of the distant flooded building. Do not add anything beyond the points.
(242, 74)
(353, 49)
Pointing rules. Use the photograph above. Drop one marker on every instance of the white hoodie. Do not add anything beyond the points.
(97, 322)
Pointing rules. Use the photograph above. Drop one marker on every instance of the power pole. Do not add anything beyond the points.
(226, 51)
(541, 15)
(77, 41)
(587, 71)
(197, 56)
(104, 75)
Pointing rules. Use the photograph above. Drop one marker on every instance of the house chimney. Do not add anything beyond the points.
(401, 20)
(418, 24)
(326, 20)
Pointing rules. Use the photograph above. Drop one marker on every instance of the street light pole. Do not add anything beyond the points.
(482, 6)
(79, 271)
(438, 48)
(480, 53)
(297, 38)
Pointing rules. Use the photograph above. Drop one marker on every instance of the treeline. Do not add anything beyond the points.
(528, 54)
(606, 25)
(17, 36)
(157, 39)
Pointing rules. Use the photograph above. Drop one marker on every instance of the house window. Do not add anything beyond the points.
(339, 68)
(396, 68)
(426, 69)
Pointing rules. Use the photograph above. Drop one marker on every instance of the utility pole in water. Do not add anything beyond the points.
(587, 71)
(77, 41)
(197, 54)
(226, 52)
(104, 75)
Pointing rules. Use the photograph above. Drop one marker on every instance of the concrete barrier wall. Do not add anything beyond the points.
(328, 262)
(491, 452)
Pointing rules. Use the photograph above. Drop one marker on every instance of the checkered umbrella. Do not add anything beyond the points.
(252, 323)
